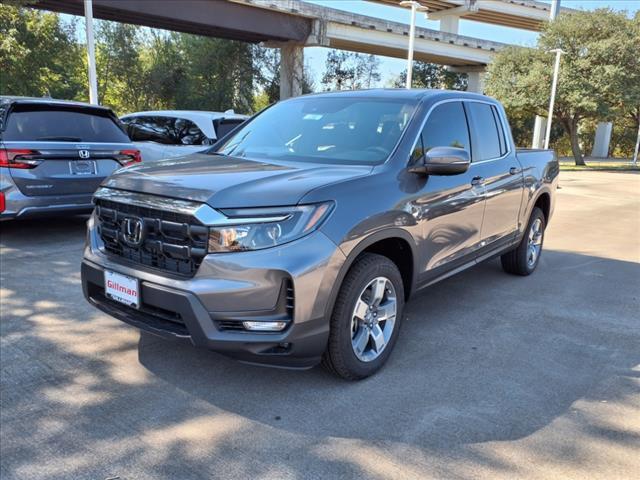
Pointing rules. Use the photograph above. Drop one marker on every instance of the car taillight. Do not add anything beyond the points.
(18, 158)
(127, 157)
(3, 203)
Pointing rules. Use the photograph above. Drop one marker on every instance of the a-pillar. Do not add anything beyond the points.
(291, 70)
(602, 140)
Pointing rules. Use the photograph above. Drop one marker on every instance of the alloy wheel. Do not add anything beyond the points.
(534, 244)
(373, 319)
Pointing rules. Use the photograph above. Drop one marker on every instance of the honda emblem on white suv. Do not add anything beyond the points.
(84, 153)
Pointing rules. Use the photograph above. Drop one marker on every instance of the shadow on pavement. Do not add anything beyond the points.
(482, 357)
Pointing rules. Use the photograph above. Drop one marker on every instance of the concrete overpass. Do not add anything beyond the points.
(292, 24)
(523, 14)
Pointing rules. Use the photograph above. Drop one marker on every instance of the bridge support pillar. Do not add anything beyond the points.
(539, 129)
(475, 82)
(602, 140)
(449, 23)
(291, 70)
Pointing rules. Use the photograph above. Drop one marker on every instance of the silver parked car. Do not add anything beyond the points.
(54, 154)
(173, 133)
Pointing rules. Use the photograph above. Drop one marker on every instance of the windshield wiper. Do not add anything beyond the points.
(61, 139)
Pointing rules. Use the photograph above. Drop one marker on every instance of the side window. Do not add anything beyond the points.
(185, 132)
(484, 132)
(150, 129)
(503, 141)
(445, 127)
(165, 130)
(223, 126)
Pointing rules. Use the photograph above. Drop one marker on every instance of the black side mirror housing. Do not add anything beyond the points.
(443, 161)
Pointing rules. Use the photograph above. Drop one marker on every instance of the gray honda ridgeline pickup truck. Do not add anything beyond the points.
(298, 237)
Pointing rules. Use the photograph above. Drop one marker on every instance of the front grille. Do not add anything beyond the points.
(172, 242)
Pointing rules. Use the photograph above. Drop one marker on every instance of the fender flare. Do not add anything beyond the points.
(385, 234)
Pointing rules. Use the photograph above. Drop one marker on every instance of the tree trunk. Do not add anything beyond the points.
(571, 127)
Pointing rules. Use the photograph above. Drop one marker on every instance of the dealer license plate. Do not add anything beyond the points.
(82, 167)
(122, 288)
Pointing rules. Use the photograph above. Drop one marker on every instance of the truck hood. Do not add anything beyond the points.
(231, 182)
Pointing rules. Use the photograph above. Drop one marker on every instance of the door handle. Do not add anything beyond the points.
(477, 181)
(514, 171)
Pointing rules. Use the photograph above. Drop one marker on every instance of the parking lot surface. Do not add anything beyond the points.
(493, 376)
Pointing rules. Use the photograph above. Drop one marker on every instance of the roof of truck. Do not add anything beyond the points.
(402, 93)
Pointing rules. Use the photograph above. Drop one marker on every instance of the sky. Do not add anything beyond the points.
(390, 68)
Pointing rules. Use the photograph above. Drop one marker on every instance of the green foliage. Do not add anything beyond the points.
(431, 75)
(39, 55)
(350, 71)
(118, 47)
(599, 74)
(137, 68)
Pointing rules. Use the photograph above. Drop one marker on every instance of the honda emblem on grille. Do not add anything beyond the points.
(132, 231)
(84, 153)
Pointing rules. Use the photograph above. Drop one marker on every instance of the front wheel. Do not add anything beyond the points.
(524, 259)
(366, 318)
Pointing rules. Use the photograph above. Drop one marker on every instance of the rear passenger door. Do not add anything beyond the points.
(499, 170)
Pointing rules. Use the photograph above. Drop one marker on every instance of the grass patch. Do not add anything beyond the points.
(570, 166)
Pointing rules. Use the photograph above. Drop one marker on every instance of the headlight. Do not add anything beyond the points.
(259, 228)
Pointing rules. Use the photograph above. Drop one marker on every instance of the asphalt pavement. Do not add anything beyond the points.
(493, 376)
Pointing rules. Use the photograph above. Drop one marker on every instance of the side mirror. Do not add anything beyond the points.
(443, 161)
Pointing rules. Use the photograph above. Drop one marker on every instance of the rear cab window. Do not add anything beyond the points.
(487, 137)
(61, 123)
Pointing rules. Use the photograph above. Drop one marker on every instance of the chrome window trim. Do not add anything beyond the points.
(463, 100)
(205, 214)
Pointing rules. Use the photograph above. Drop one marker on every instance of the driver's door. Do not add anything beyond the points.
(452, 206)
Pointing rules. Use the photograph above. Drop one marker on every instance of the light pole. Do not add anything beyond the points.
(415, 6)
(91, 52)
(635, 152)
(554, 84)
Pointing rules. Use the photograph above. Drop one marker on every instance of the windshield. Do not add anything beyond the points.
(63, 125)
(342, 130)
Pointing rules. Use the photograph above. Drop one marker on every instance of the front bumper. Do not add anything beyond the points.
(227, 289)
(18, 205)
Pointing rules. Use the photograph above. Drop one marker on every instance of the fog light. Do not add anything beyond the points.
(265, 326)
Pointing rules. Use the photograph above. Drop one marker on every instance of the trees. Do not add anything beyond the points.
(431, 75)
(350, 71)
(39, 55)
(138, 68)
(596, 76)
(119, 67)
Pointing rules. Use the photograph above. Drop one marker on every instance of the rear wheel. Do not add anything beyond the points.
(524, 259)
(366, 318)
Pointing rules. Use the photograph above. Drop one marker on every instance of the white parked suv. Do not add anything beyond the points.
(173, 133)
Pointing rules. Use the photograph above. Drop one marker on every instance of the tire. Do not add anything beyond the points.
(519, 260)
(370, 271)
